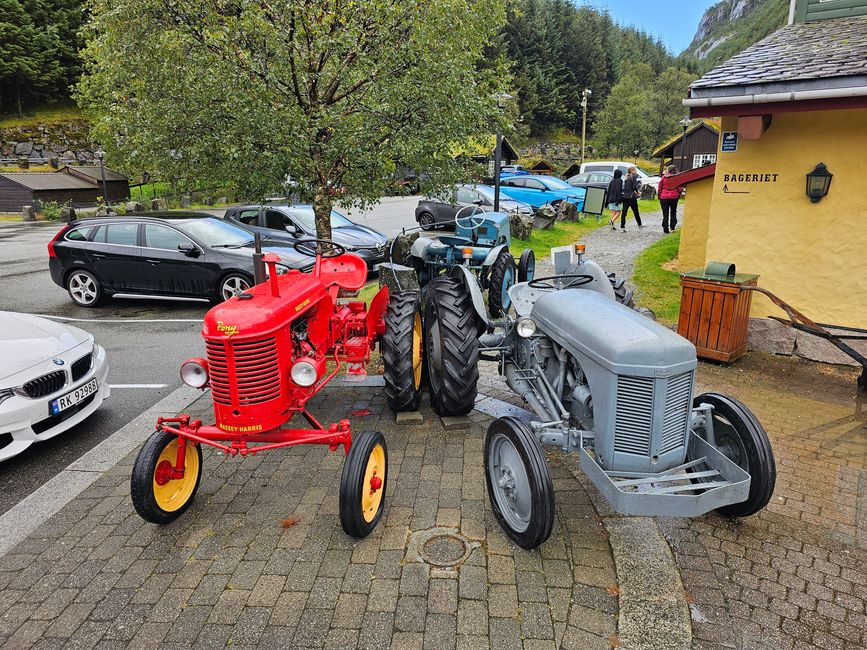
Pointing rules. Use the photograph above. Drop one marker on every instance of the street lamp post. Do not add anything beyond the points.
(685, 122)
(498, 152)
(584, 95)
(100, 154)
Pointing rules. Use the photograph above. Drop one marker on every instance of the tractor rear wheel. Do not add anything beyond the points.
(502, 279)
(742, 439)
(156, 496)
(363, 484)
(402, 351)
(519, 482)
(452, 346)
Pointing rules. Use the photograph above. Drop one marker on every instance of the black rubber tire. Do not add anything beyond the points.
(450, 322)
(541, 520)
(97, 288)
(622, 294)
(526, 265)
(500, 271)
(402, 393)
(141, 481)
(240, 276)
(758, 457)
(351, 484)
(427, 221)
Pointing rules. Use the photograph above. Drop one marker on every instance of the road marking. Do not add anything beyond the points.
(121, 320)
(137, 385)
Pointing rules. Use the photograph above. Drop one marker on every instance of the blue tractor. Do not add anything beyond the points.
(480, 245)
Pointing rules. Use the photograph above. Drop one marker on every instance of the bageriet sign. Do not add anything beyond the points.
(743, 183)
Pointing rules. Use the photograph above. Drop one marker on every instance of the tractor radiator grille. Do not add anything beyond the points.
(46, 384)
(634, 415)
(677, 408)
(257, 372)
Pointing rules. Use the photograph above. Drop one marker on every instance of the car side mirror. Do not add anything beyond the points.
(189, 250)
(293, 230)
(478, 202)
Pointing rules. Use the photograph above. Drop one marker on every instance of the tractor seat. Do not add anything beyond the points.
(451, 240)
(346, 271)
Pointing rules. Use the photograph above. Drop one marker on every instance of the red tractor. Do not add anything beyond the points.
(269, 350)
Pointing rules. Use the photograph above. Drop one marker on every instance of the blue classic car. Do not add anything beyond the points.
(539, 190)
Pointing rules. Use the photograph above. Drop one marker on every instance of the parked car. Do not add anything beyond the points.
(623, 166)
(52, 377)
(291, 222)
(591, 179)
(513, 169)
(190, 255)
(540, 190)
(434, 212)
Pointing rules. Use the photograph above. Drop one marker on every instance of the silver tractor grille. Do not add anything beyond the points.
(638, 399)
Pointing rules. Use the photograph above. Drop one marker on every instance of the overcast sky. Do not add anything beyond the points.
(674, 21)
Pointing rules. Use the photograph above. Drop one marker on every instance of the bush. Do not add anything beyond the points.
(50, 210)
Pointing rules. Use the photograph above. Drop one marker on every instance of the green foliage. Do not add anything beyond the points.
(330, 92)
(656, 287)
(50, 114)
(51, 210)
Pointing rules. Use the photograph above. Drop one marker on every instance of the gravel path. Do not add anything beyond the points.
(616, 251)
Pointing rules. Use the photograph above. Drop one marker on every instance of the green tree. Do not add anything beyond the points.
(665, 100)
(332, 92)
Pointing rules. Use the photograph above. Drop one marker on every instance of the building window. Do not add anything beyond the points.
(702, 159)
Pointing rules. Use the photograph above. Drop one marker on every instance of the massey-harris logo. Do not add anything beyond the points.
(228, 330)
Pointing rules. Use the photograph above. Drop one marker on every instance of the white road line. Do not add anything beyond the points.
(121, 320)
(137, 385)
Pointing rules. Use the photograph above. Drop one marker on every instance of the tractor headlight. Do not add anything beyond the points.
(526, 327)
(194, 372)
(304, 373)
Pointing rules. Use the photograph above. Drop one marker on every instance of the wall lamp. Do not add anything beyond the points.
(818, 182)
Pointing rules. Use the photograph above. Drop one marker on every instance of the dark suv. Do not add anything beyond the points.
(188, 255)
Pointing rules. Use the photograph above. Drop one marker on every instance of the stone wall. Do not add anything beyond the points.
(66, 141)
(562, 154)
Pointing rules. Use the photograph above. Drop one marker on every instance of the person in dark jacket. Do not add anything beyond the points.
(631, 192)
(669, 194)
(614, 197)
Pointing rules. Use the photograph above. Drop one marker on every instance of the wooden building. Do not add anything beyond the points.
(696, 148)
(75, 185)
(542, 167)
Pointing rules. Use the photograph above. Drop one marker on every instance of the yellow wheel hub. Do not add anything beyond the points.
(174, 493)
(373, 486)
(416, 351)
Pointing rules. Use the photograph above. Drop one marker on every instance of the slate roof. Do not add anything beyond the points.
(802, 56)
(93, 172)
(48, 181)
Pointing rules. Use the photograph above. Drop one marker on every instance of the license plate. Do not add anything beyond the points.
(71, 399)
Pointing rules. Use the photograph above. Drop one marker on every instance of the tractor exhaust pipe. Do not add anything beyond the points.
(258, 264)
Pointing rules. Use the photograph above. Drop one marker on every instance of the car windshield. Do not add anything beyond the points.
(215, 232)
(308, 221)
(555, 183)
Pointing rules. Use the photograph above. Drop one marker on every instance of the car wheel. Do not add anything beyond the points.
(232, 285)
(426, 221)
(84, 289)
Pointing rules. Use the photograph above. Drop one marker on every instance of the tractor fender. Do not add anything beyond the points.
(492, 254)
(475, 290)
(420, 246)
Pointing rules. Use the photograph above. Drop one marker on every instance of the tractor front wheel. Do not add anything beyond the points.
(742, 439)
(519, 482)
(527, 265)
(502, 279)
(363, 484)
(452, 346)
(156, 496)
(402, 351)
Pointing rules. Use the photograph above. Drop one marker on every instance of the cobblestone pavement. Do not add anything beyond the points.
(228, 573)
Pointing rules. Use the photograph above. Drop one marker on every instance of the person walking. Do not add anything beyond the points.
(631, 192)
(669, 194)
(614, 197)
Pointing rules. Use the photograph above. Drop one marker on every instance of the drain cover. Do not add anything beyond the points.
(440, 547)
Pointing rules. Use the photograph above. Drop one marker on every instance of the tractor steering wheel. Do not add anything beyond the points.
(473, 221)
(554, 282)
(319, 247)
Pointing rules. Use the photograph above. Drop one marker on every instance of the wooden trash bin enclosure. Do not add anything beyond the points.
(714, 312)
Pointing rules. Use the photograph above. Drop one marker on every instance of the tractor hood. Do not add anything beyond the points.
(618, 338)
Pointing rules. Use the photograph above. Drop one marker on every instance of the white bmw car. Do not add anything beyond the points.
(52, 376)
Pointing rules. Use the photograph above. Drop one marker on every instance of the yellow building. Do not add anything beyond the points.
(791, 107)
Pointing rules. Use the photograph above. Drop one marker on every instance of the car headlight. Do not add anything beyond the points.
(304, 373)
(526, 327)
(349, 249)
(5, 394)
(194, 372)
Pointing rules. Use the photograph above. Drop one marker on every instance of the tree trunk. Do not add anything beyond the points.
(18, 95)
(322, 210)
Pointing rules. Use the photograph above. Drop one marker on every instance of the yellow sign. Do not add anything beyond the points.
(247, 429)
(301, 305)
(228, 330)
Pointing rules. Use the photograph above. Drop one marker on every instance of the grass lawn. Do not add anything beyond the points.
(656, 278)
(44, 115)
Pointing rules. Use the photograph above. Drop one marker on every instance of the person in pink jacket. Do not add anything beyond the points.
(669, 193)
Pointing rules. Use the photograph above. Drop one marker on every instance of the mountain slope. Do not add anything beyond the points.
(730, 26)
